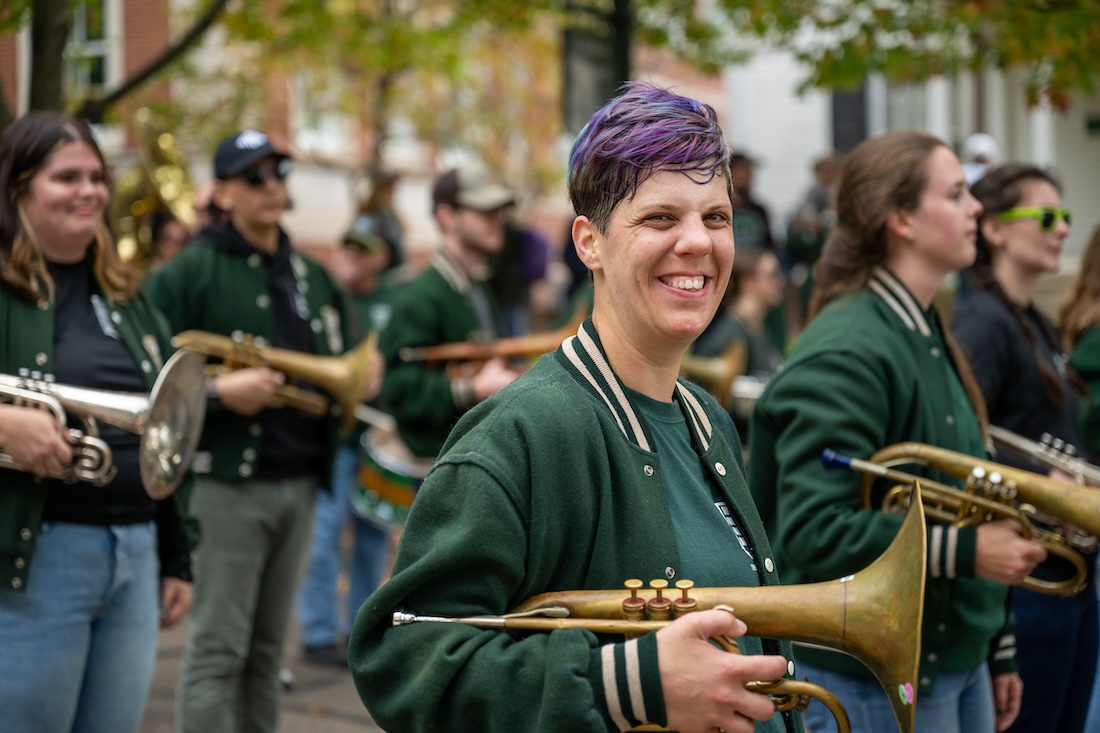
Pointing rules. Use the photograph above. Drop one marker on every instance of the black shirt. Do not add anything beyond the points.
(88, 352)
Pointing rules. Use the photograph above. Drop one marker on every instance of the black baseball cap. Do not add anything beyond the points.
(237, 152)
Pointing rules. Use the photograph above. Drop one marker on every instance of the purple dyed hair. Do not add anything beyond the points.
(644, 130)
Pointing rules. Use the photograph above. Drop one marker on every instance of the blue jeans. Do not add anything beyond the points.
(317, 612)
(77, 648)
(1056, 642)
(247, 566)
(961, 702)
(1092, 722)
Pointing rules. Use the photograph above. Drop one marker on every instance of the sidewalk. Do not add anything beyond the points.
(321, 699)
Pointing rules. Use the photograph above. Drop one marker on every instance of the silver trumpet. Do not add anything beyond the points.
(169, 420)
(1051, 452)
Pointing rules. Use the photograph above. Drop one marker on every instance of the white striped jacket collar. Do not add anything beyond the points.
(900, 300)
(451, 271)
(585, 353)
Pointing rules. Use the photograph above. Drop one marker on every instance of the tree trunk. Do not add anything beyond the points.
(51, 23)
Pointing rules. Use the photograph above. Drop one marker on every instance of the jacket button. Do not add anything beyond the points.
(926, 681)
(720, 468)
(769, 565)
(316, 325)
(20, 563)
(16, 583)
(146, 366)
(40, 358)
(245, 470)
(950, 419)
(24, 534)
(255, 429)
(249, 454)
(790, 667)
(263, 301)
(116, 317)
(254, 261)
(648, 470)
(670, 572)
(933, 658)
(43, 305)
(935, 352)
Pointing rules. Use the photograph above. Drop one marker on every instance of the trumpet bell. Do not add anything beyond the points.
(875, 615)
(172, 423)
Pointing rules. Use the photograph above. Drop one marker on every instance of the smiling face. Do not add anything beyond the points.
(65, 201)
(661, 267)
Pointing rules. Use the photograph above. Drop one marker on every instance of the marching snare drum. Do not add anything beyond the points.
(389, 476)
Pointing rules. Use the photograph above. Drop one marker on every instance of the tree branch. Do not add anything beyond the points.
(95, 109)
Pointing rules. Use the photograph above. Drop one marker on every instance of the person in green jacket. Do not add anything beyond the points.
(91, 567)
(448, 302)
(873, 368)
(596, 466)
(1079, 323)
(258, 465)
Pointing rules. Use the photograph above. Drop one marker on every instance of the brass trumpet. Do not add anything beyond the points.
(993, 491)
(464, 356)
(342, 377)
(874, 616)
(169, 420)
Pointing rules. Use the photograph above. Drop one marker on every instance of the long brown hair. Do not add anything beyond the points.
(999, 190)
(25, 146)
(880, 175)
(1081, 308)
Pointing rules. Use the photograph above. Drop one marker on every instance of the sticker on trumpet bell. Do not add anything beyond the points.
(905, 692)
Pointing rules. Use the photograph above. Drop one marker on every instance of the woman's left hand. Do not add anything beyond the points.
(1008, 689)
(175, 599)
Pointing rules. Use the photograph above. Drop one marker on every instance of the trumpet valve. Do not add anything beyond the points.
(633, 607)
(685, 603)
(659, 608)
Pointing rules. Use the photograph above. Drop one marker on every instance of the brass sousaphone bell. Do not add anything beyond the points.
(875, 616)
(160, 181)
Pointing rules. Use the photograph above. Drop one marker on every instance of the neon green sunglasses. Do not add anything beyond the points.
(1047, 216)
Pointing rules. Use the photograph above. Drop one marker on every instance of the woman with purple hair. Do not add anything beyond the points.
(596, 466)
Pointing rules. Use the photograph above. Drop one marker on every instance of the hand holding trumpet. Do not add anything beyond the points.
(1003, 554)
(704, 686)
(33, 439)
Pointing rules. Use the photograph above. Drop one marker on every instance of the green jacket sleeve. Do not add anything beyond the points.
(454, 561)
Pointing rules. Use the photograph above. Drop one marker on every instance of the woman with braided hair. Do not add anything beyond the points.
(1018, 358)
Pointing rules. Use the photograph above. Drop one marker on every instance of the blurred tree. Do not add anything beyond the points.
(51, 22)
(1055, 42)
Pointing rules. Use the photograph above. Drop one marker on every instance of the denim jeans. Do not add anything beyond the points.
(77, 648)
(1056, 643)
(961, 702)
(255, 535)
(317, 607)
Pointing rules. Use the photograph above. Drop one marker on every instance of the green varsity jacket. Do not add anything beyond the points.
(550, 485)
(26, 342)
(873, 369)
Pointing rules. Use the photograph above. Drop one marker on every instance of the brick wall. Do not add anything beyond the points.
(8, 78)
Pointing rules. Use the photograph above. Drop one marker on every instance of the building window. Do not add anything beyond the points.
(86, 55)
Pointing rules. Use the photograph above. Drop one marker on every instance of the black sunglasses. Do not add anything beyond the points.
(257, 174)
